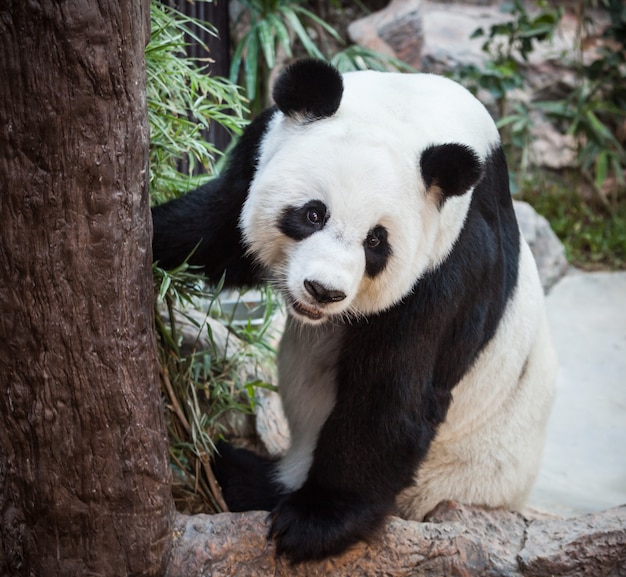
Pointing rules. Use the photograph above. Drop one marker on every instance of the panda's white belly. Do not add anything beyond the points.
(307, 383)
(489, 448)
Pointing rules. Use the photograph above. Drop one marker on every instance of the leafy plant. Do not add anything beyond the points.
(595, 110)
(586, 116)
(203, 381)
(183, 99)
(273, 26)
(517, 128)
(508, 46)
(200, 381)
(592, 112)
(594, 234)
(357, 57)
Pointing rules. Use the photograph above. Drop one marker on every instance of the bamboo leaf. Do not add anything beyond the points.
(302, 34)
(267, 40)
(319, 21)
(602, 166)
(235, 63)
(282, 34)
(251, 66)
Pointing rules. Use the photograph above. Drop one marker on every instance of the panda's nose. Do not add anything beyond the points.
(323, 294)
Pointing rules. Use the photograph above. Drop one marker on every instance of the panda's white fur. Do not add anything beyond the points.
(424, 373)
(488, 450)
(307, 371)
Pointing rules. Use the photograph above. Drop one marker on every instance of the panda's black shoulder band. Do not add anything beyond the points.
(309, 89)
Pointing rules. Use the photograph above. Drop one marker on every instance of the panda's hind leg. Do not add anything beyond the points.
(247, 479)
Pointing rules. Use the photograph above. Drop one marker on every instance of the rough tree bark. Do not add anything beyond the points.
(84, 477)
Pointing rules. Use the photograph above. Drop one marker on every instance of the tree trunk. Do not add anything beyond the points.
(84, 476)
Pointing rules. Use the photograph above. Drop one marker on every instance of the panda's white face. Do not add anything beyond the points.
(329, 229)
(338, 210)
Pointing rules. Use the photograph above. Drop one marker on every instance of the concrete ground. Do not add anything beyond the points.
(584, 467)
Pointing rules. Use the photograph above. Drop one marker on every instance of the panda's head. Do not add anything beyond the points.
(362, 185)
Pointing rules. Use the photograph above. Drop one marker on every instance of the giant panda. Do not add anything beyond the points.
(416, 363)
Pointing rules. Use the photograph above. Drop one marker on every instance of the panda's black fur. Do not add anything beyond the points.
(396, 368)
(204, 223)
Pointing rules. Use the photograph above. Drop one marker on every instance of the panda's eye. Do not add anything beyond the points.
(372, 241)
(313, 216)
(375, 237)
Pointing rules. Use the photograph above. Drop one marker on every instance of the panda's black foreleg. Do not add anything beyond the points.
(246, 479)
(201, 229)
(202, 226)
(385, 416)
(350, 489)
(344, 500)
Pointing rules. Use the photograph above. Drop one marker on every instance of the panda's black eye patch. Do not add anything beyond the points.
(377, 251)
(299, 222)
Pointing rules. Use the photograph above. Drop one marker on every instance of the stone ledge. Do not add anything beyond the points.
(456, 540)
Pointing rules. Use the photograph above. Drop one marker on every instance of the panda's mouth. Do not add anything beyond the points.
(310, 312)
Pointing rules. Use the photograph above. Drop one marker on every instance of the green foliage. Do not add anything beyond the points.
(203, 383)
(595, 110)
(357, 57)
(285, 25)
(273, 26)
(199, 383)
(594, 237)
(183, 99)
(519, 35)
(516, 130)
(508, 46)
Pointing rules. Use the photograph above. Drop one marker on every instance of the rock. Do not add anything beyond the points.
(396, 30)
(552, 148)
(546, 247)
(457, 540)
(271, 423)
(448, 28)
(589, 545)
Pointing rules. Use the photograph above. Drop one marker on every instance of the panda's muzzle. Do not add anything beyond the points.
(322, 294)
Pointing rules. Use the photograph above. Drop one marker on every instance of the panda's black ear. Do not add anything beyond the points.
(450, 169)
(309, 89)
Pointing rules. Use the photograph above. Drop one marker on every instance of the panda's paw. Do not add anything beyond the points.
(246, 479)
(311, 525)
